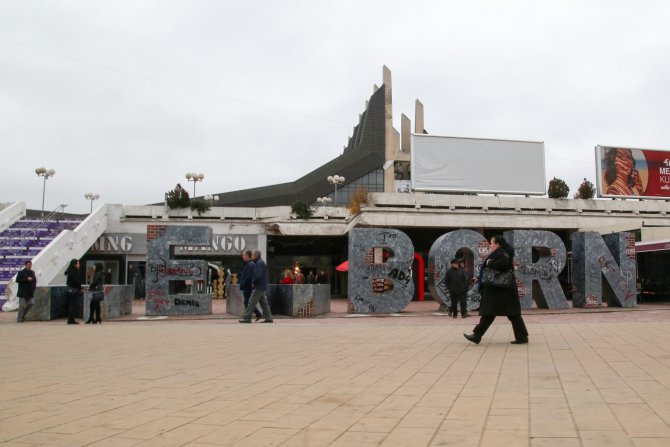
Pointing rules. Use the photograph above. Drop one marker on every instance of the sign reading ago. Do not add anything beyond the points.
(221, 244)
(133, 243)
(166, 276)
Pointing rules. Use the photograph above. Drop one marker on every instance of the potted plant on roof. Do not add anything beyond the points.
(177, 200)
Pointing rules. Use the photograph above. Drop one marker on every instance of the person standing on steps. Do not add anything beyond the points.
(27, 283)
(498, 301)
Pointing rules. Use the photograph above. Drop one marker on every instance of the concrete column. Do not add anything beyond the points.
(388, 129)
(405, 133)
(418, 117)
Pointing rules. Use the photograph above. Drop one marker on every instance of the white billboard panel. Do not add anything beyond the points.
(476, 165)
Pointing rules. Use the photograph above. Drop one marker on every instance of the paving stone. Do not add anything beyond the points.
(586, 379)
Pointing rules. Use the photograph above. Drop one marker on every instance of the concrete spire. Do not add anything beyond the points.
(405, 131)
(418, 117)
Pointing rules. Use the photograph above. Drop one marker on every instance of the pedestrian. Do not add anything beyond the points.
(245, 281)
(259, 283)
(298, 277)
(27, 284)
(73, 290)
(311, 277)
(97, 295)
(457, 285)
(287, 278)
(322, 278)
(498, 301)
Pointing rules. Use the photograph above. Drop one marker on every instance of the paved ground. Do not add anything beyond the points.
(586, 379)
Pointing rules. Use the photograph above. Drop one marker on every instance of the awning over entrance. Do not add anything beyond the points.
(343, 267)
(643, 247)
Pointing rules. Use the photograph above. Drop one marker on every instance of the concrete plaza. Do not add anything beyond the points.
(587, 378)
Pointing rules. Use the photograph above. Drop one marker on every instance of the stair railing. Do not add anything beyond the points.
(31, 231)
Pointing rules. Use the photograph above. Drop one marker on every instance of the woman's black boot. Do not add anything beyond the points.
(474, 338)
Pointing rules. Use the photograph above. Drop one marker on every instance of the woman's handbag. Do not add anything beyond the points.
(491, 277)
(97, 296)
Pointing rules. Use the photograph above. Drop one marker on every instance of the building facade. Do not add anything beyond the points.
(375, 160)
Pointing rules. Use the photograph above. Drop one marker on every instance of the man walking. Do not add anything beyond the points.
(27, 283)
(245, 281)
(259, 283)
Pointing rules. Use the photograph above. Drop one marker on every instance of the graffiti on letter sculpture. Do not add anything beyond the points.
(380, 278)
(162, 270)
(441, 253)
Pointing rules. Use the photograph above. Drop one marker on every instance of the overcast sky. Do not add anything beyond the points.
(124, 97)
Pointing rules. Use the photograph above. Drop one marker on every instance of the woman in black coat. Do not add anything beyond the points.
(499, 301)
(73, 290)
(96, 294)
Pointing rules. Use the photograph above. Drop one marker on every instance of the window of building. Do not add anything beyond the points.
(372, 181)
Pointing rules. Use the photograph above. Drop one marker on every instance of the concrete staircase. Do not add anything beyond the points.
(24, 240)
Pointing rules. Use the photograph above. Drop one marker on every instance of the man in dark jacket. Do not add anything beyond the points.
(245, 281)
(27, 283)
(259, 283)
(457, 285)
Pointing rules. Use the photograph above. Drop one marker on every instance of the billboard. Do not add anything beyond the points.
(476, 165)
(632, 173)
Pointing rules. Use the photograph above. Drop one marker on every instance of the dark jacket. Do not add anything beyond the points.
(496, 300)
(247, 275)
(73, 278)
(259, 279)
(96, 282)
(456, 281)
(26, 288)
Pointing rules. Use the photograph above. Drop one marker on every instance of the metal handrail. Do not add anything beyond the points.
(42, 221)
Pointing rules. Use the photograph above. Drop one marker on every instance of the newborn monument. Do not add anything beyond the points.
(603, 268)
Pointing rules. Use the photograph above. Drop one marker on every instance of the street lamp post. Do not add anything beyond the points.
(46, 173)
(324, 200)
(211, 199)
(91, 196)
(193, 177)
(335, 180)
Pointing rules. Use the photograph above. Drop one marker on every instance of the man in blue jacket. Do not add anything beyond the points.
(245, 281)
(27, 282)
(259, 283)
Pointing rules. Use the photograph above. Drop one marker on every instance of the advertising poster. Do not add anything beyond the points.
(633, 173)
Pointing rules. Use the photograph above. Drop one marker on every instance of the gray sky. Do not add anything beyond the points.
(124, 97)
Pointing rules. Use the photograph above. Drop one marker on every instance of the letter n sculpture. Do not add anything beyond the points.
(604, 269)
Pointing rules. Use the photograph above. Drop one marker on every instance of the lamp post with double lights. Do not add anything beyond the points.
(335, 180)
(193, 177)
(210, 199)
(91, 196)
(46, 173)
(324, 200)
